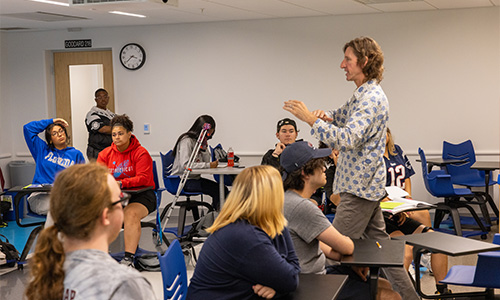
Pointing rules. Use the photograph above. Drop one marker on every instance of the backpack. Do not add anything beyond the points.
(10, 252)
(199, 226)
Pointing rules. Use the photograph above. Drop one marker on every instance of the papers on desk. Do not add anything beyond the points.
(34, 186)
(400, 204)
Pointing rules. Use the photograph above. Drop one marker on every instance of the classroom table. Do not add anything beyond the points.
(488, 167)
(375, 255)
(440, 162)
(219, 171)
(317, 287)
(452, 245)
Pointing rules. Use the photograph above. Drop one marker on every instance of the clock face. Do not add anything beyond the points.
(132, 56)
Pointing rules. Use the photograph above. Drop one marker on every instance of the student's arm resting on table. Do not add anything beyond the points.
(334, 244)
(186, 146)
(265, 266)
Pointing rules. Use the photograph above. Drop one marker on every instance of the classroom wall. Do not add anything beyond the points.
(442, 78)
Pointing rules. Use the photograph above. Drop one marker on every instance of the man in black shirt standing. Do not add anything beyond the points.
(97, 121)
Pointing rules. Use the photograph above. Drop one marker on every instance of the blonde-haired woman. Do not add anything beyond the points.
(250, 251)
(71, 259)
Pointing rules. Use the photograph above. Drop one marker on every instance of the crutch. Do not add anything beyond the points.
(187, 170)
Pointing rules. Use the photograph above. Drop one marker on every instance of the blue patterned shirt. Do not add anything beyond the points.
(358, 130)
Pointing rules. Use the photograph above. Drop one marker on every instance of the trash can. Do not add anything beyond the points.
(21, 174)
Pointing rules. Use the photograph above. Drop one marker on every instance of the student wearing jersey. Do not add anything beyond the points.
(398, 173)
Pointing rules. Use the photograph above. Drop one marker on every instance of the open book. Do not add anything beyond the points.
(400, 204)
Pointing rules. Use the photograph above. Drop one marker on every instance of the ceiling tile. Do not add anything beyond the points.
(274, 8)
(402, 6)
(451, 4)
(337, 7)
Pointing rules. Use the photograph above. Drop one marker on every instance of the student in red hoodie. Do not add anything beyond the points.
(131, 166)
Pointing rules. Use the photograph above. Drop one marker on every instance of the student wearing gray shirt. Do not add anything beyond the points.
(71, 259)
(314, 238)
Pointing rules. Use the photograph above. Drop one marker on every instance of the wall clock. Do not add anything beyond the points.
(132, 56)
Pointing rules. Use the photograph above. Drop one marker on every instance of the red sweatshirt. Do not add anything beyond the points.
(133, 167)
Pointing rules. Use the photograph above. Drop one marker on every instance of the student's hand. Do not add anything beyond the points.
(334, 156)
(299, 110)
(322, 115)
(264, 291)
(61, 122)
(279, 148)
(361, 271)
(214, 164)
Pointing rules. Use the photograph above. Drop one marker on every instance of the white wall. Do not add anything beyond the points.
(442, 77)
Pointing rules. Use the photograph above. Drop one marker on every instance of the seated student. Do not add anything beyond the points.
(71, 259)
(51, 156)
(182, 152)
(332, 199)
(131, 166)
(286, 132)
(398, 173)
(249, 252)
(314, 237)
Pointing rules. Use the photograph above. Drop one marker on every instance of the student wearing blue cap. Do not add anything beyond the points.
(313, 236)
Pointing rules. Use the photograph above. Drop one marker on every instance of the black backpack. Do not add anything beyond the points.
(11, 253)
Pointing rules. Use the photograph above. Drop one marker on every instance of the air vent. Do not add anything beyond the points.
(386, 1)
(107, 5)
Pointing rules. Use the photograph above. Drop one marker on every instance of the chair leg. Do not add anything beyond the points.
(455, 217)
(438, 217)
(484, 209)
(476, 218)
(182, 221)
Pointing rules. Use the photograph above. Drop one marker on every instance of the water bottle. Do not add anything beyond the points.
(230, 157)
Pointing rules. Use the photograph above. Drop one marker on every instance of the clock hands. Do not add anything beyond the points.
(130, 58)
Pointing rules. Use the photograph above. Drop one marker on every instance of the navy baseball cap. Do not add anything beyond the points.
(296, 155)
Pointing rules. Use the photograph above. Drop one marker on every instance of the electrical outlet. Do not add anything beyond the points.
(147, 128)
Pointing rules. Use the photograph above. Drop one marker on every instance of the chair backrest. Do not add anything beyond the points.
(171, 182)
(167, 161)
(155, 176)
(173, 272)
(437, 182)
(463, 151)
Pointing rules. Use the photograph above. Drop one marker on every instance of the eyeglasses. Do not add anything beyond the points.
(59, 132)
(124, 198)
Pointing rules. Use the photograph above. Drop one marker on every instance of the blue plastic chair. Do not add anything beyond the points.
(483, 274)
(438, 183)
(157, 224)
(173, 272)
(171, 183)
(462, 174)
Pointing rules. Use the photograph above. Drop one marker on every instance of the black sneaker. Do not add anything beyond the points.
(127, 261)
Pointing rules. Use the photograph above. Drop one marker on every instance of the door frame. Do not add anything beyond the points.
(62, 61)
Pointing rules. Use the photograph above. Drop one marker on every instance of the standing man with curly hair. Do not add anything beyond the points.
(358, 130)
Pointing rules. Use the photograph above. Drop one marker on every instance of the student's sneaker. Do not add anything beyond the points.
(3, 224)
(411, 270)
(425, 261)
(127, 261)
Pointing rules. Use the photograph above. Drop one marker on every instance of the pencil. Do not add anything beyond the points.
(378, 244)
